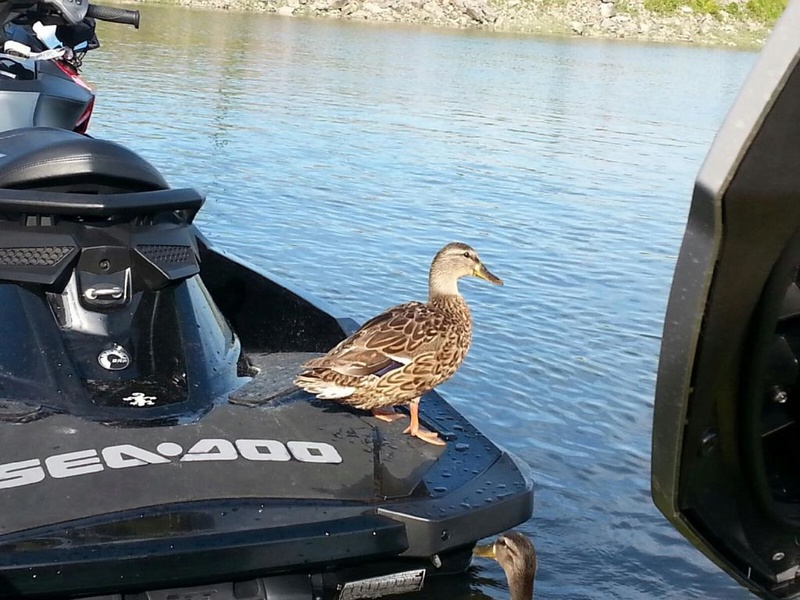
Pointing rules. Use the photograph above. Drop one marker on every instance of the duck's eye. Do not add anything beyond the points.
(501, 541)
(467, 255)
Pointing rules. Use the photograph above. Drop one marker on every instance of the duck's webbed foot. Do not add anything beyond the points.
(386, 414)
(415, 430)
(426, 436)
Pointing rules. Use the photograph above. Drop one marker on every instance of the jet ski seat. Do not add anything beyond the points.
(49, 158)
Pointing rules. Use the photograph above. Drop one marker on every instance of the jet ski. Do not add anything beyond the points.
(725, 463)
(153, 445)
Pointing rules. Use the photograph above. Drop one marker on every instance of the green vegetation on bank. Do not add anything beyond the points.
(763, 11)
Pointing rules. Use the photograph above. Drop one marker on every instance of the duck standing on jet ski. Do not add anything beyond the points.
(406, 351)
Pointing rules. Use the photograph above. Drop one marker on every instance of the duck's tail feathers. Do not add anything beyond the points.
(324, 390)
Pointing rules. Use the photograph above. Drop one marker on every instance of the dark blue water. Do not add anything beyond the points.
(342, 156)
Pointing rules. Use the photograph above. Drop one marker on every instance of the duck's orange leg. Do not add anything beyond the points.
(386, 414)
(415, 430)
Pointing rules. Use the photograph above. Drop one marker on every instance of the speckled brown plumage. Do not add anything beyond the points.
(517, 555)
(406, 351)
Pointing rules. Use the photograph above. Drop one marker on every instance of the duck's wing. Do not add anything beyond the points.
(391, 340)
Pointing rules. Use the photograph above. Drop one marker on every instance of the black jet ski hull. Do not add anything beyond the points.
(152, 438)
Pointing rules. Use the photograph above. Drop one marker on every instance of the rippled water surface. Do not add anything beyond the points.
(342, 156)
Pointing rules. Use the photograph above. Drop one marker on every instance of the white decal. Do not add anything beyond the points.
(139, 399)
(127, 455)
(314, 452)
(73, 463)
(211, 450)
(169, 449)
(114, 359)
(263, 450)
(23, 472)
(123, 456)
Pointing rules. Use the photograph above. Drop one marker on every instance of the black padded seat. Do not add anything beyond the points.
(40, 156)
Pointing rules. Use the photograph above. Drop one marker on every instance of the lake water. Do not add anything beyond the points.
(341, 156)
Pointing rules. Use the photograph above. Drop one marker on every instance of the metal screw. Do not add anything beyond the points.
(709, 441)
(779, 396)
(104, 264)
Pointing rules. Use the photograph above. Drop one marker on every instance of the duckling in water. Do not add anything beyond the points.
(406, 351)
(516, 554)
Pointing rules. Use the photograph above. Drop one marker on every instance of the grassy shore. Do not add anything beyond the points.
(732, 23)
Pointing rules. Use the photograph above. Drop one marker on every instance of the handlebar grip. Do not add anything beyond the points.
(114, 15)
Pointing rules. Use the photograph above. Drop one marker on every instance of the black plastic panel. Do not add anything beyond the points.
(261, 486)
(131, 565)
(268, 315)
(98, 205)
(725, 467)
(42, 95)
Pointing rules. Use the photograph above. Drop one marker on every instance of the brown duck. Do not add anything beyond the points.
(516, 554)
(406, 351)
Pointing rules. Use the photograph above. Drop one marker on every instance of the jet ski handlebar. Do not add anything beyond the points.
(114, 15)
(70, 11)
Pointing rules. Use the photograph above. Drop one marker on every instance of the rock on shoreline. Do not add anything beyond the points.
(616, 19)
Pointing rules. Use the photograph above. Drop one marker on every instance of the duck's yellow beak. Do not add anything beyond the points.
(484, 273)
(486, 551)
